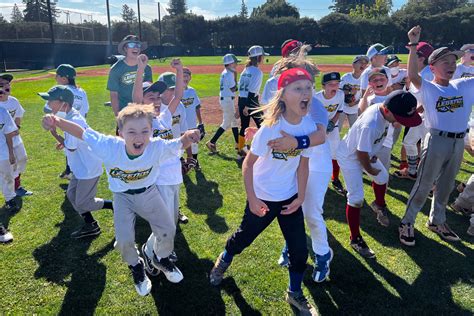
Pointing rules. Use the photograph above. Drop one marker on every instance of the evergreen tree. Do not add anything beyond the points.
(37, 10)
(16, 15)
(244, 11)
(128, 15)
(177, 7)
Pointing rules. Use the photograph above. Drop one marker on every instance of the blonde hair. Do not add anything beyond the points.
(135, 111)
(298, 61)
(273, 110)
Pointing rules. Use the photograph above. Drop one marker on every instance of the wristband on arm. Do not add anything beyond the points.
(303, 142)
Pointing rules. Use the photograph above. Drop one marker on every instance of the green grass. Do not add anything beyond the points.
(44, 271)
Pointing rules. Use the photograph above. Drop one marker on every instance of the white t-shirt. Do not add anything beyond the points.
(333, 105)
(367, 134)
(274, 173)
(425, 74)
(84, 164)
(170, 169)
(448, 108)
(81, 103)
(270, 89)
(226, 82)
(124, 173)
(250, 81)
(16, 111)
(191, 102)
(364, 78)
(402, 74)
(348, 78)
(179, 122)
(374, 99)
(320, 160)
(463, 71)
(7, 126)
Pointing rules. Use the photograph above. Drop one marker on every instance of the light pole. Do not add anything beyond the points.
(139, 22)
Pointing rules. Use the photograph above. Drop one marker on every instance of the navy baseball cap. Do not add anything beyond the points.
(392, 59)
(403, 104)
(59, 92)
(330, 76)
(376, 71)
(157, 86)
(66, 70)
(7, 77)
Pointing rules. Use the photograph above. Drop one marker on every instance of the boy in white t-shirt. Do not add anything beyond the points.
(85, 166)
(333, 100)
(377, 55)
(357, 154)
(397, 74)
(132, 163)
(15, 109)
(465, 68)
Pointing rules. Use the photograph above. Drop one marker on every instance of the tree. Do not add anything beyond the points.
(128, 15)
(345, 6)
(276, 9)
(379, 9)
(16, 15)
(2, 19)
(37, 11)
(430, 7)
(244, 11)
(177, 7)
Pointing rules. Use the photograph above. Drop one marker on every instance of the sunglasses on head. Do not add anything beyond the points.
(134, 45)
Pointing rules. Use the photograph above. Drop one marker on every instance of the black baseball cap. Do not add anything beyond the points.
(392, 59)
(58, 92)
(330, 76)
(376, 71)
(157, 86)
(7, 77)
(441, 52)
(403, 104)
(66, 70)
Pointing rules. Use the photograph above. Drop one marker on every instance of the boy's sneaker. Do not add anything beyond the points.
(299, 301)
(361, 247)
(11, 205)
(212, 147)
(321, 267)
(150, 269)
(182, 218)
(171, 272)
(241, 154)
(142, 282)
(173, 256)
(5, 235)
(65, 175)
(337, 186)
(21, 191)
(404, 174)
(381, 214)
(406, 234)
(217, 272)
(460, 209)
(88, 229)
(444, 231)
(284, 261)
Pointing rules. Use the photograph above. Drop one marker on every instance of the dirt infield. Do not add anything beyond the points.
(209, 69)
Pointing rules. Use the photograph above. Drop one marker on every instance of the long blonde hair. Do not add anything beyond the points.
(273, 110)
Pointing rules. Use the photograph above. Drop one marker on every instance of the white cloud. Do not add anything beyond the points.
(209, 15)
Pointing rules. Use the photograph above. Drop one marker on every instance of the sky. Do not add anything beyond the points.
(210, 9)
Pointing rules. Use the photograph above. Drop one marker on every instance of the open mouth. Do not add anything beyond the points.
(304, 104)
(379, 87)
(138, 146)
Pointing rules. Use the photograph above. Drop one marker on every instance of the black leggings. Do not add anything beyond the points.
(245, 120)
(292, 227)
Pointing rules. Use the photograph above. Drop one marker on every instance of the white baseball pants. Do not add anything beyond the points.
(228, 113)
(334, 139)
(7, 180)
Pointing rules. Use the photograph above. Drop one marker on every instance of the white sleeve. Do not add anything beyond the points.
(103, 146)
(85, 102)
(167, 148)
(267, 93)
(364, 143)
(183, 126)
(10, 125)
(70, 142)
(259, 144)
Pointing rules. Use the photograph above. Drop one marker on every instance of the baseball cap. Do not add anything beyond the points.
(376, 71)
(392, 59)
(377, 49)
(59, 92)
(129, 39)
(359, 58)
(66, 70)
(402, 104)
(169, 79)
(330, 76)
(256, 50)
(7, 77)
(291, 75)
(186, 70)
(290, 46)
(441, 52)
(423, 49)
(467, 47)
(157, 86)
(230, 59)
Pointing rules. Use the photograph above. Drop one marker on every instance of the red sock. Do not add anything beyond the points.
(379, 191)
(17, 182)
(335, 170)
(353, 219)
(403, 164)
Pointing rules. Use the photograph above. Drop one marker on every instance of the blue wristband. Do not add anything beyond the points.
(303, 142)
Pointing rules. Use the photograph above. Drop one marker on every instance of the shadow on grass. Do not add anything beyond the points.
(64, 257)
(6, 215)
(204, 198)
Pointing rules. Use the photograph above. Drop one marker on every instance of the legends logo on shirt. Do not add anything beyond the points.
(163, 133)
(285, 154)
(467, 75)
(12, 112)
(378, 140)
(187, 102)
(176, 119)
(332, 107)
(450, 104)
(129, 176)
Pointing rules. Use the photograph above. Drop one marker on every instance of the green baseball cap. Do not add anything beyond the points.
(7, 77)
(59, 92)
(169, 78)
(66, 70)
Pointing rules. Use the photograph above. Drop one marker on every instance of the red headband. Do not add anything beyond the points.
(292, 75)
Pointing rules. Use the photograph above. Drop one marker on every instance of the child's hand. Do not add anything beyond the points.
(59, 146)
(368, 92)
(49, 122)
(194, 135)
(258, 207)
(176, 63)
(142, 61)
(286, 142)
(414, 34)
(292, 207)
(245, 111)
(250, 133)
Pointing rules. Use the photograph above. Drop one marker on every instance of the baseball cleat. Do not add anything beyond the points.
(5, 235)
(88, 229)
(217, 272)
(149, 268)
(300, 302)
(381, 214)
(165, 265)
(406, 234)
(444, 231)
(23, 192)
(142, 282)
(321, 267)
(361, 248)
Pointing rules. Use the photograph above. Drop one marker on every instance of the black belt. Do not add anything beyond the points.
(452, 135)
(137, 191)
(222, 98)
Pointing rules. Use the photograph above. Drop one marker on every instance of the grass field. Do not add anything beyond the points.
(46, 272)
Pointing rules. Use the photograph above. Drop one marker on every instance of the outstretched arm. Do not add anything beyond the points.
(414, 37)
(178, 89)
(137, 94)
(50, 122)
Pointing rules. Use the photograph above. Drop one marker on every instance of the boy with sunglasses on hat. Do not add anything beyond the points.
(122, 73)
(465, 68)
